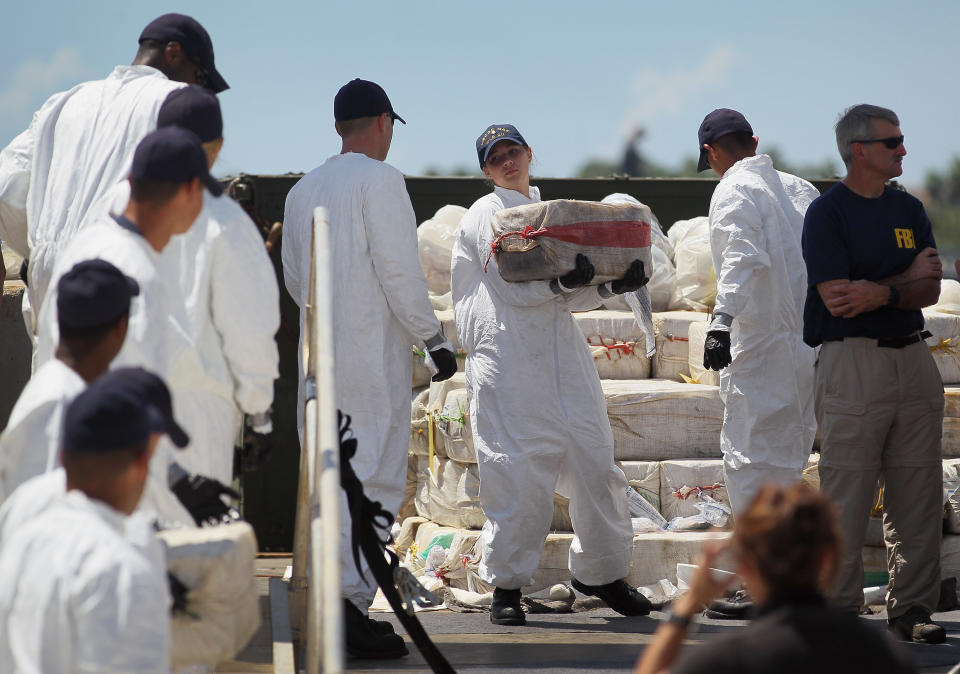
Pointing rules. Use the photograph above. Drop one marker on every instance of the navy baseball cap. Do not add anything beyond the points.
(362, 98)
(194, 108)
(159, 396)
(93, 294)
(174, 155)
(193, 40)
(114, 412)
(719, 123)
(493, 135)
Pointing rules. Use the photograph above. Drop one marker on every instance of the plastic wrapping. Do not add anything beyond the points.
(695, 285)
(684, 483)
(672, 328)
(945, 342)
(435, 239)
(217, 566)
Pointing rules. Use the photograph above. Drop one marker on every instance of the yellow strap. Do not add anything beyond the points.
(878, 506)
(689, 380)
(430, 440)
(946, 345)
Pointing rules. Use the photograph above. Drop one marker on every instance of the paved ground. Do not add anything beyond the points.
(597, 641)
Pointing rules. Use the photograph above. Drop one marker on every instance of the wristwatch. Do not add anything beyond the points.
(894, 298)
(681, 621)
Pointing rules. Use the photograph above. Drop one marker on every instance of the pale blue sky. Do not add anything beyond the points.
(575, 77)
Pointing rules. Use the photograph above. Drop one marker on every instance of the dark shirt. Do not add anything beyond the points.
(802, 636)
(847, 236)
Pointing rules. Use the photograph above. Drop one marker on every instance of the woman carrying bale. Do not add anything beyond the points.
(537, 411)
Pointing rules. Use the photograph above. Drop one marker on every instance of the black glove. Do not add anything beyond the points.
(581, 274)
(716, 350)
(256, 450)
(634, 279)
(446, 363)
(201, 497)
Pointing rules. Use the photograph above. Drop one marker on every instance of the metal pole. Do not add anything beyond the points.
(325, 557)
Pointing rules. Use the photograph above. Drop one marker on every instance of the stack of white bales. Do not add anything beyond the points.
(665, 413)
(666, 430)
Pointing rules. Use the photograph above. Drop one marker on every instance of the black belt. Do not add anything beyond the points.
(900, 342)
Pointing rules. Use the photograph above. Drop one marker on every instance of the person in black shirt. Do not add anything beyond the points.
(872, 265)
(787, 546)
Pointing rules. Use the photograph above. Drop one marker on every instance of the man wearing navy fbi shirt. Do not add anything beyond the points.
(871, 266)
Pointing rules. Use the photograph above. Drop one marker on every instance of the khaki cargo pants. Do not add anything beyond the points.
(880, 412)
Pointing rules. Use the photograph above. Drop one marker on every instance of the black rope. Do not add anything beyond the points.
(366, 517)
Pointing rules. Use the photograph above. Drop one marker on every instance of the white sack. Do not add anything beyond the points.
(697, 336)
(644, 476)
(419, 423)
(218, 567)
(950, 441)
(949, 301)
(435, 239)
(655, 419)
(672, 329)
(616, 342)
(945, 343)
(951, 475)
(695, 286)
(683, 482)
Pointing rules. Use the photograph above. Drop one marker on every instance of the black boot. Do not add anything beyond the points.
(506, 608)
(365, 641)
(617, 595)
(916, 625)
(381, 626)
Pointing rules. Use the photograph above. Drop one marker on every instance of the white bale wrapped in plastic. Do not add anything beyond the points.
(695, 285)
(616, 343)
(944, 343)
(672, 329)
(656, 419)
(448, 326)
(419, 423)
(454, 439)
(217, 565)
(949, 301)
(540, 241)
(644, 476)
(951, 478)
(450, 495)
(697, 337)
(950, 440)
(685, 482)
(435, 239)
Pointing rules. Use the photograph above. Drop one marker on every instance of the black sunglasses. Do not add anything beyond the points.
(891, 143)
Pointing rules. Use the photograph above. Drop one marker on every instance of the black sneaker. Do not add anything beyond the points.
(381, 626)
(916, 625)
(617, 595)
(506, 608)
(364, 640)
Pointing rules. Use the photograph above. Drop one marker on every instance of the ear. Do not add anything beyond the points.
(173, 53)
(486, 171)
(529, 153)
(756, 141)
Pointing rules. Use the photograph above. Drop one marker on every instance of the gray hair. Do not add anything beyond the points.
(856, 123)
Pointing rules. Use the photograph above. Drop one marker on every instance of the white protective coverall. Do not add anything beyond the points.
(79, 596)
(30, 443)
(156, 339)
(537, 413)
(220, 270)
(756, 219)
(79, 144)
(381, 307)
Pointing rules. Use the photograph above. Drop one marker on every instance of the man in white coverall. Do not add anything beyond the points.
(80, 595)
(755, 337)
(380, 307)
(94, 306)
(221, 271)
(167, 178)
(80, 143)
